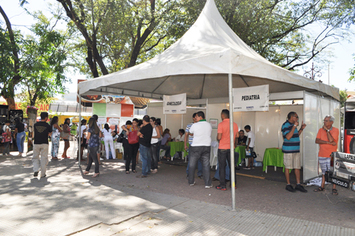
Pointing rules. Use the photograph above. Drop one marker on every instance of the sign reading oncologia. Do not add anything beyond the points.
(254, 98)
(175, 104)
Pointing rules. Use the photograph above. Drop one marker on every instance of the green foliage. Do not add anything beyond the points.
(352, 73)
(42, 61)
(288, 33)
(343, 96)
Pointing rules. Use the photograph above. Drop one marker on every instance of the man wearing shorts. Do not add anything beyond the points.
(327, 138)
(291, 150)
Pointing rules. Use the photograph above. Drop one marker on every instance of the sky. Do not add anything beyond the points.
(338, 73)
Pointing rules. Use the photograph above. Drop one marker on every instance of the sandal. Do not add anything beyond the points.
(134, 171)
(127, 172)
(96, 175)
(86, 172)
(319, 189)
(334, 191)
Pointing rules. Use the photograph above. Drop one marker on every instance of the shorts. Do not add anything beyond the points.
(251, 149)
(292, 160)
(324, 163)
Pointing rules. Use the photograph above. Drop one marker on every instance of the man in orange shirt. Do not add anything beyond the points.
(223, 134)
(327, 138)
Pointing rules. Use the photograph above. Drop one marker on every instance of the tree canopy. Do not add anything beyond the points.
(117, 34)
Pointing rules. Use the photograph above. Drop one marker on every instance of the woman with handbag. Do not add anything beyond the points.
(65, 134)
(108, 139)
(133, 140)
(55, 137)
(6, 138)
(124, 141)
(93, 137)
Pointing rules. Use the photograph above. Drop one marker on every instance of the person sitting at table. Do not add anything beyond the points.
(181, 136)
(242, 139)
(164, 144)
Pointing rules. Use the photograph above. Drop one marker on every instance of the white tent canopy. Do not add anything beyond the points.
(198, 64)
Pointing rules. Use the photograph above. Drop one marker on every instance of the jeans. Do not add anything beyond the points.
(223, 158)
(202, 153)
(158, 150)
(6, 149)
(93, 157)
(145, 156)
(40, 149)
(155, 159)
(228, 174)
(199, 165)
(132, 153)
(167, 150)
(20, 140)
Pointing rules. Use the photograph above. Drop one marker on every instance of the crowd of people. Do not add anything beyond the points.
(145, 138)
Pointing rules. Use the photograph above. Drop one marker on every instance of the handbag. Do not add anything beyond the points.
(65, 135)
(121, 137)
(133, 137)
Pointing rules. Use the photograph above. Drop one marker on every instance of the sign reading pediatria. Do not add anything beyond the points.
(175, 104)
(254, 98)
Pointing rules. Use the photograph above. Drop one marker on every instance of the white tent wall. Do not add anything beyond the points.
(173, 121)
(316, 108)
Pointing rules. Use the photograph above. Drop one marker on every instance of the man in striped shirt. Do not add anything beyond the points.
(291, 150)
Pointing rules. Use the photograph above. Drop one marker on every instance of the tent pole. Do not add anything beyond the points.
(231, 132)
(182, 121)
(79, 141)
(165, 121)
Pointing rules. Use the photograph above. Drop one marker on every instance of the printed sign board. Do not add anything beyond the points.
(254, 98)
(175, 104)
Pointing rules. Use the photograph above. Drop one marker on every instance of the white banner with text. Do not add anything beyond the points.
(175, 104)
(254, 98)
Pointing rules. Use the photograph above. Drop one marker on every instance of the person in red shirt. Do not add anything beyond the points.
(223, 136)
(327, 138)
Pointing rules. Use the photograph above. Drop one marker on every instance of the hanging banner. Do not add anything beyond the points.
(254, 98)
(175, 104)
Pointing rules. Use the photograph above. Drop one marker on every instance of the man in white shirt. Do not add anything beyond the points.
(200, 149)
(250, 146)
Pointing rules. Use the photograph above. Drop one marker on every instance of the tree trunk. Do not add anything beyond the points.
(11, 103)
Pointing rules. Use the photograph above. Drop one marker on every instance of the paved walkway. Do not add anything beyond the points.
(67, 203)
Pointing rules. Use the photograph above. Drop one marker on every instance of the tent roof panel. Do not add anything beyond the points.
(208, 51)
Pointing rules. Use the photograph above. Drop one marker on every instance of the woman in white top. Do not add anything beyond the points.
(154, 145)
(181, 136)
(108, 141)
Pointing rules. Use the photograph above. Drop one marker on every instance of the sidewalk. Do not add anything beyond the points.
(66, 203)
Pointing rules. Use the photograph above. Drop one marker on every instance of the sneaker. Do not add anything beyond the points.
(209, 186)
(246, 168)
(192, 184)
(200, 176)
(214, 179)
(300, 188)
(290, 188)
(219, 187)
(44, 176)
(35, 174)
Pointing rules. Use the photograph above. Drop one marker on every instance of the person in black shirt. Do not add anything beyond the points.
(145, 136)
(242, 140)
(40, 146)
(20, 135)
